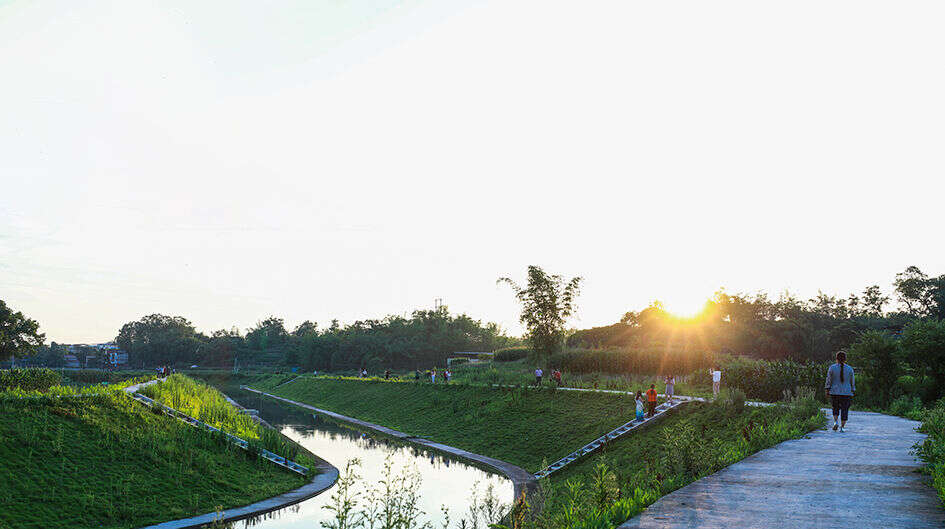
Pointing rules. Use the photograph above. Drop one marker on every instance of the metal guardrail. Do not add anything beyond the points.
(242, 443)
(604, 439)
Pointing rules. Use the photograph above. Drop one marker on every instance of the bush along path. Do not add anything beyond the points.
(863, 477)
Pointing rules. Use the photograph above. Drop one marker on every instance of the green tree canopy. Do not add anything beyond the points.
(547, 303)
(19, 335)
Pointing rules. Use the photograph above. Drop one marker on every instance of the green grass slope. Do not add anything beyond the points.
(522, 427)
(106, 461)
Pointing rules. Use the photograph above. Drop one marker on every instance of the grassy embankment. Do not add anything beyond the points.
(207, 404)
(632, 472)
(106, 461)
(520, 426)
(525, 427)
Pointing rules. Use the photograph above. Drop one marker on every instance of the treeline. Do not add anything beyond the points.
(785, 328)
(423, 340)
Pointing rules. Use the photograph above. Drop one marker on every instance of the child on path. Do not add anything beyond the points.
(670, 386)
(640, 407)
(651, 400)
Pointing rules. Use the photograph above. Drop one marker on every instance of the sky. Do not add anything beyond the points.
(230, 160)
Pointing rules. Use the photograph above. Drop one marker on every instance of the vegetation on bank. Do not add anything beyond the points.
(106, 461)
(932, 450)
(206, 404)
(605, 489)
(520, 426)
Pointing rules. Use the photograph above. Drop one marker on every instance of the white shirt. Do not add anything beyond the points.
(716, 376)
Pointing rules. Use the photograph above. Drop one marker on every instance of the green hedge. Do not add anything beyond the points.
(623, 361)
(29, 379)
(510, 354)
(767, 381)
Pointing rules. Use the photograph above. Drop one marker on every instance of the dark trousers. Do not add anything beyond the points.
(651, 408)
(841, 405)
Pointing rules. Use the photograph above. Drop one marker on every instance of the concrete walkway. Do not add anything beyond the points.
(863, 477)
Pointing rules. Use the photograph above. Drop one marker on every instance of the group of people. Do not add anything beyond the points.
(447, 375)
(555, 376)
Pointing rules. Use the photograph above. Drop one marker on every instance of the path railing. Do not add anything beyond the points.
(606, 438)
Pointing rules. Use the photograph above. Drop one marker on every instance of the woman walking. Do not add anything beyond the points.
(840, 388)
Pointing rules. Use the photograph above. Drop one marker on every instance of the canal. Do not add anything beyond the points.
(443, 481)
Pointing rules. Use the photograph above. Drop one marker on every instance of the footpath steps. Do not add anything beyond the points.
(608, 437)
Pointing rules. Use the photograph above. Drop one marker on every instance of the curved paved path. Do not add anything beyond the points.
(863, 477)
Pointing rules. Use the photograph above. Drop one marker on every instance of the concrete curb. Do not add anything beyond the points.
(321, 482)
(523, 481)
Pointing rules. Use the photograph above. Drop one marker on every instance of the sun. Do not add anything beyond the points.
(686, 309)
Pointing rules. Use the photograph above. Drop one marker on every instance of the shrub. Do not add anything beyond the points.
(767, 381)
(31, 379)
(910, 407)
(932, 449)
(637, 361)
(510, 354)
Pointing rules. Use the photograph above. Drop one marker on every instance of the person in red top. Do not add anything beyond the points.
(651, 401)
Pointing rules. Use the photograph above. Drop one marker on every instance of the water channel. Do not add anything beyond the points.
(445, 481)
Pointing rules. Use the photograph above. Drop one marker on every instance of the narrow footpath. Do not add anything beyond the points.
(863, 477)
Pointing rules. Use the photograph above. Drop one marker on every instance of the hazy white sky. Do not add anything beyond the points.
(316, 159)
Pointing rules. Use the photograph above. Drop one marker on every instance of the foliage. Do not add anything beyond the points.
(157, 339)
(547, 303)
(510, 354)
(629, 474)
(767, 381)
(877, 357)
(206, 404)
(932, 450)
(106, 461)
(637, 361)
(29, 379)
(923, 343)
(18, 334)
(425, 339)
(521, 426)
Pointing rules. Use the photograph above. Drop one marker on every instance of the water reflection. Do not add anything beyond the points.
(445, 481)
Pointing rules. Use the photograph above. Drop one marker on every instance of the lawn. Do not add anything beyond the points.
(523, 427)
(106, 461)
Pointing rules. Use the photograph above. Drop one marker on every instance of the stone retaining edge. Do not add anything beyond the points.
(524, 482)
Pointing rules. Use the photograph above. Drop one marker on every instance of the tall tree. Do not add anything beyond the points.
(158, 339)
(914, 291)
(547, 303)
(19, 335)
(873, 301)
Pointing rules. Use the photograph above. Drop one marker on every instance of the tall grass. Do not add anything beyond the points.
(206, 404)
(39, 379)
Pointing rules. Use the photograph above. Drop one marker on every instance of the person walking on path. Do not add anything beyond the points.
(538, 374)
(670, 386)
(556, 375)
(448, 375)
(716, 380)
(651, 401)
(640, 405)
(840, 388)
(433, 375)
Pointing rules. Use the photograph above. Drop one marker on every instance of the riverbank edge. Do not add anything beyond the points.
(523, 481)
(326, 476)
